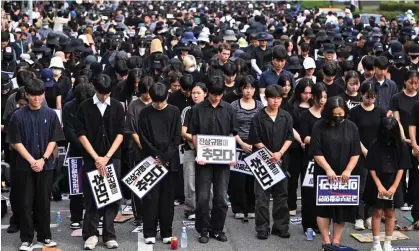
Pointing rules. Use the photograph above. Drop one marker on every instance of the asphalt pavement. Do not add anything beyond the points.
(241, 237)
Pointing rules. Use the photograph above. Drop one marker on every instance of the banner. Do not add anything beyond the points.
(309, 176)
(241, 166)
(106, 190)
(216, 149)
(74, 175)
(266, 172)
(144, 176)
(337, 194)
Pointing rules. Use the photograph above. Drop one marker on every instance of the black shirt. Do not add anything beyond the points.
(272, 134)
(387, 159)
(403, 104)
(160, 133)
(351, 101)
(207, 120)
(367, 123)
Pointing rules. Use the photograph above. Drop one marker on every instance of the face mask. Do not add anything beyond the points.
(56, 72)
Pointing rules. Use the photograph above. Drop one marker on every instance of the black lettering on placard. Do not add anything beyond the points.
(100, 190)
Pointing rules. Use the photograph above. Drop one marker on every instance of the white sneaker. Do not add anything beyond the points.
(359, 225)
(151, 240)
(91, 243)
(368, 222)
(239, 216)
(48, 243)
(191, 217)
(112, 244)
(167, 240)
(293, 212)
(251, 215)
(25, 246)
(387, 246)
(376, 247)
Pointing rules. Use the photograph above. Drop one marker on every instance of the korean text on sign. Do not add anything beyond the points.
(106, 190)
(74, 175)
(144, 176)
(266, 172)
(216, 149)
(241, 166)
(337, 193)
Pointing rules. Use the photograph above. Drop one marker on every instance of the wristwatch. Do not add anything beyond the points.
(45, 158)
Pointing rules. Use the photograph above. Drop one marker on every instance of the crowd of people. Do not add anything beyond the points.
(137, 79)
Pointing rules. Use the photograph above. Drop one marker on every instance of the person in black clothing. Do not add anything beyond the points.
(272, 128)
(351, 96)
(333, 88)
(81, 93)
(366, 117)
(336, 149)
(100, 128)
(160, 134)
(33, 132)
(387, 159)
(299, 102)
(212, 116)
(307, 120)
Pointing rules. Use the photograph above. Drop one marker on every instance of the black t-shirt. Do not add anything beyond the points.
(403, 104)
(51, 94)
(367, 123)
(351, 101)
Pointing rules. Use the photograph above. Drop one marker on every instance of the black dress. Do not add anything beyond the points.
(337, 144)
(386, 161)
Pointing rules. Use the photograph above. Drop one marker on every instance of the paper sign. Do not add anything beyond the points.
(338, 193)
(144, 176)
(266, 172)
(106, 190)
(241, 166)
(216, 149)
(309, 176)
(74, 175)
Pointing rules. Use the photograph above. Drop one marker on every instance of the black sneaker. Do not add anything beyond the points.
(204, 237)
(13, 228)
(281, 234)
(221, 236)
(262, 235)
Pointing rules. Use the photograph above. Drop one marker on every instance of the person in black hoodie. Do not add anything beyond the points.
(81, 93)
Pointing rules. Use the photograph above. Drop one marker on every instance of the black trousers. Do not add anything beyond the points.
(242, 193)
(294, 169)
(93, 214)
(158, 208)
(76, 207)
(35, 195)
(15, 200)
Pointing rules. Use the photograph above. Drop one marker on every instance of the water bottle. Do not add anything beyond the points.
(59, 221)
(184, 239)
(309, 234)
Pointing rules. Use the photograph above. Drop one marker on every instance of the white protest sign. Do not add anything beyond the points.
(181, 153)
(106, 190)
(266, 172)
(144, 176)
(241, 166)
(309, 176)
(216, 149)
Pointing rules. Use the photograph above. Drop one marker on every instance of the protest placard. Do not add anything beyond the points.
(265, 171)
(337, 193)
(106, 190)
(241, 166)
(144, 176)
(74, 175)
(216, 149)
(309, 176)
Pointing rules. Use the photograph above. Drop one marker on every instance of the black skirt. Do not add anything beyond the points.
(371, 192)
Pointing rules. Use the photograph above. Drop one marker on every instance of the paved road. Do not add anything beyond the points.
(242, 237)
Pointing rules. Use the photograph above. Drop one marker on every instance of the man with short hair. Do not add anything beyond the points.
(33, 132)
